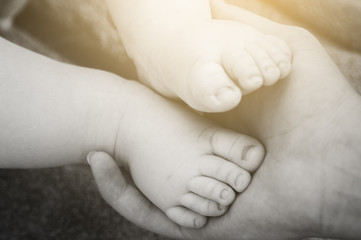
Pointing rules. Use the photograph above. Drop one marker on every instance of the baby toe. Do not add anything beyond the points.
(270, 72)
(226, 172)
(185, 217)
(280, 57)
(242, 150)
(212, 189)
(280, 44)
(241, 67)
(211, 89)
(202, 206)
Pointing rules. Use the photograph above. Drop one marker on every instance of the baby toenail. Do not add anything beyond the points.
(225, 93)
(220, 207)
(224, 194)
(247, 151)
(196, 222)
(239, 181)
(282, 65)
(256, 79)
(270, 68)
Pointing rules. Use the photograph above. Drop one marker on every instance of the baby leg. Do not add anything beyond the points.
(183, 53)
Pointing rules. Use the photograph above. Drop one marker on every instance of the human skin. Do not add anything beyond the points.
(342, 13)
(307, 123)
(213, 62)
(53, 113)
(308, 185)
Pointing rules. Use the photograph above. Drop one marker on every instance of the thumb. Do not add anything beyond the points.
(127, 200)
(108, 177)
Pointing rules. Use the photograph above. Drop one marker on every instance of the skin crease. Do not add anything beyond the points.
(285, 103)
(53, 114)
(307, 123)
(306, 160)
(214, 63)
(288, 203)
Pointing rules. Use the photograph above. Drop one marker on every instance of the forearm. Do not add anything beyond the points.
(52, 113)
(143, 20)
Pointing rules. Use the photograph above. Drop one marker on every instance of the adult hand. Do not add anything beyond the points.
(307, 123)
(118, 191)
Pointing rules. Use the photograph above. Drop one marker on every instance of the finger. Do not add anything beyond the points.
(126, 199)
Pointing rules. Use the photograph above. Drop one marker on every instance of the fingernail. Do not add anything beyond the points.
(247, 151)
(224, 194)
(89, 156)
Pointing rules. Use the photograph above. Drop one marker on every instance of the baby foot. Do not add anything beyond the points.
(213, 180)
(212, 64)
(185, 165)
